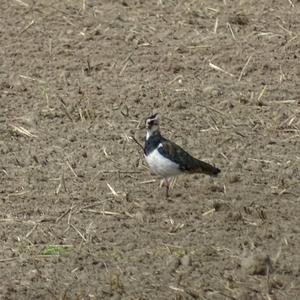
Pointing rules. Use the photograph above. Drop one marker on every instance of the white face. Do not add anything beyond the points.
(152, 124)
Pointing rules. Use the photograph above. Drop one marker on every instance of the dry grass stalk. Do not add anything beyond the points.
(117, 171)
(124, 68)
(126, 213)
(290, 101)
(244, 68)
(22, 3)
(79, 233)
(147, 181)
(215, 127)
(125, 63)
(12, 220)
(70, 213)
(291, 121)
(213, 66)
(261, 94)
(26, 28)
(178, 77)
(62, 215)
(284, 29)
(248, 222)
(224, 156)
(206, 130)
(32, 79)
(102, 212)
(216, 25)
(61, 184)
(211, 211)
(18, 193)
(282, 192)
(104, 151)
(261, 160)
(282, 76)
(290, 138)
(108, 156)
(23, 131)
(28, 234)
(181, 90)
(64, 108)
(71, 168)
(126, 137)
(268, 34)
(93, 205)
(288, 121)
(81, 114)
(226, 295)
(231, 31)
(8, 259)
(176, 289)
(68, 21)
(268, 295)
(112, 190)
(209, 109)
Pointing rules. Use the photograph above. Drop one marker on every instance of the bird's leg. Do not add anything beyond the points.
(162, 183)
(167, 182)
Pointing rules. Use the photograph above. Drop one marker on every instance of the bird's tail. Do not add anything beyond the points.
(203, 167)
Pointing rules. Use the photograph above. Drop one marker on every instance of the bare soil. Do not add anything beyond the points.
(82, 217)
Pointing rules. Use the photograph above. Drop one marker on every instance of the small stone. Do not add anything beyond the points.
(130, 247)
(220, 206)
(116, 297)
(258, 264)
(234, 178)
(72, 138)
(172, 263)
(239, 19)
(217, 189)
(80, 173)
(186, 261)
(30, 119)
(212, 91)
(234, 216)
(4, 148)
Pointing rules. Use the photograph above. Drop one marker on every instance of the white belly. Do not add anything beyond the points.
(161, 165)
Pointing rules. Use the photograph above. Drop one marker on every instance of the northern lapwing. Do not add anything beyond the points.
(167, 159)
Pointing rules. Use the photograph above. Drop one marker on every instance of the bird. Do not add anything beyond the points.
(167, 159)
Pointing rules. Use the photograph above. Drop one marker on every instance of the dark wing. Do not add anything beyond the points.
(186, 162)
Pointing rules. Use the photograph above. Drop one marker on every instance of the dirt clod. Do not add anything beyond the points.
(258, 264)
(186, 260)
(172, 263)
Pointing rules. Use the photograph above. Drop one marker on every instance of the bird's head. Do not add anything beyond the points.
(152, 124)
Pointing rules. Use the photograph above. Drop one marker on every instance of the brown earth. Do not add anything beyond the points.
(81, 214)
